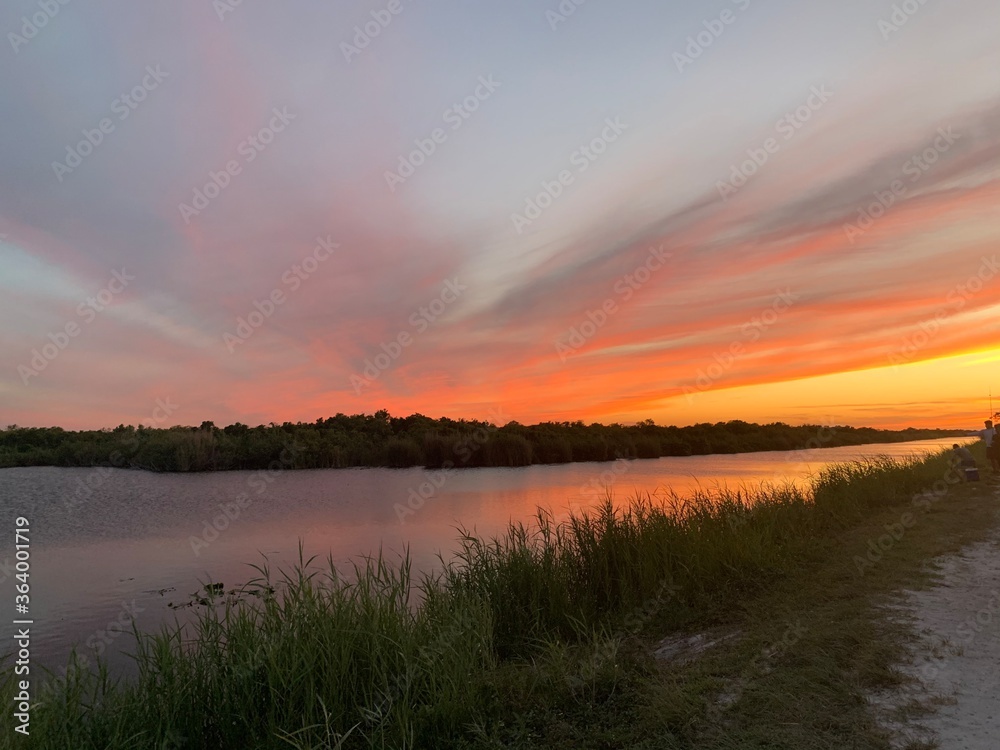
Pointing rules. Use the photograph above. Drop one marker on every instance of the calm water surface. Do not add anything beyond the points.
(100, 556)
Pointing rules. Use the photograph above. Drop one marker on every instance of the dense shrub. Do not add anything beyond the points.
(401, 452)
(381, 440)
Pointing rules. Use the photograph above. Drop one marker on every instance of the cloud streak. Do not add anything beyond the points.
(861, 296)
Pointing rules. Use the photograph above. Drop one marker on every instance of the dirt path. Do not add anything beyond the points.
(957, 658)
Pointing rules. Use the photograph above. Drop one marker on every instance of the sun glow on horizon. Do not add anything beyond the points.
(792, 243)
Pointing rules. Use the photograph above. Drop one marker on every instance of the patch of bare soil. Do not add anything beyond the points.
(954, 700)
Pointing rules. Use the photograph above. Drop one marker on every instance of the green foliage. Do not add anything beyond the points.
(314, 658)
(331, 661)
(401, 452)
(382, 440)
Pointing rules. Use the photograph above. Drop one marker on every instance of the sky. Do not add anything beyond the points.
(687, 212)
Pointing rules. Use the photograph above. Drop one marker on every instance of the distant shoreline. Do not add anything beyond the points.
(370, 441)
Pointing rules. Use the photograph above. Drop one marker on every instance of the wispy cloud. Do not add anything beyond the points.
(859, 295)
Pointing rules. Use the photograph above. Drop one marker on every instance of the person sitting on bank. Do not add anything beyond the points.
(963, 459)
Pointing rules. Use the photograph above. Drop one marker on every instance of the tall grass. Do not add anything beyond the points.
(320, 663)
(545, 580)
(380, 660)
(552, 580)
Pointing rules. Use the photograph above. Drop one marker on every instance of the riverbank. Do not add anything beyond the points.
(829, 657)
(953, 659)
(545, 638)
(380, 440)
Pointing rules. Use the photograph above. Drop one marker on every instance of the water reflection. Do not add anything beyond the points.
(111, 541)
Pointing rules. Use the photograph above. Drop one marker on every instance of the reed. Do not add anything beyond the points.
(374, 657)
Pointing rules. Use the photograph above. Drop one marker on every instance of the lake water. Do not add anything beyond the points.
(105, 542)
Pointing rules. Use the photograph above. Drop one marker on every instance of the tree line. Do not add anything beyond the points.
(382, 440)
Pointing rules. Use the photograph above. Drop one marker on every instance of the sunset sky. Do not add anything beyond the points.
(681, 211)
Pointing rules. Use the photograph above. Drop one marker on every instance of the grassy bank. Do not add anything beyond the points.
(542, 638)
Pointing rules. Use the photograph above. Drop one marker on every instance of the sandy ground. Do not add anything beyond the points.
(957, 657)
